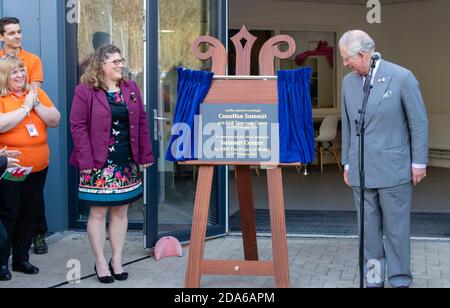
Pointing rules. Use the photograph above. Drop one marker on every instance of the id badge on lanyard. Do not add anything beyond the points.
(32, 130)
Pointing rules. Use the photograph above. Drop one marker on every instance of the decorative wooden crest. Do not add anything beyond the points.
(243, 42)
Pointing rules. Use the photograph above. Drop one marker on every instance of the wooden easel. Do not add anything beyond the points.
(251, 91)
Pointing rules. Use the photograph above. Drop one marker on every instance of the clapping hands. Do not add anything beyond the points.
(31, 98)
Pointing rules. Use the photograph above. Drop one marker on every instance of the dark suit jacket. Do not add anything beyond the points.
(3, 165)
(3, 235)
(91, 124)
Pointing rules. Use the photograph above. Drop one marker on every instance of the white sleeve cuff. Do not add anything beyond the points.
(419, 166)
(415, 166)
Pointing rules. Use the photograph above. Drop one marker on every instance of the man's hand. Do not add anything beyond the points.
(418, 175)
(347, 178)
(11, 154)
(13, 163)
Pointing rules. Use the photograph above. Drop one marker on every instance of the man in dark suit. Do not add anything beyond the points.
(7, 160)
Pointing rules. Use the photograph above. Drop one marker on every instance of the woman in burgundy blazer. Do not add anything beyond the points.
(112, 144)
(92, 136)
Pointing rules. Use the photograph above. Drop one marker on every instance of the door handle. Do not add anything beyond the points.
(156, 120)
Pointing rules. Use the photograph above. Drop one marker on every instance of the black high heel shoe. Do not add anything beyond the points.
(118, 277)
(104, 280)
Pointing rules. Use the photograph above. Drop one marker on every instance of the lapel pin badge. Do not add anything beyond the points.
(133, 97)
(388, 94)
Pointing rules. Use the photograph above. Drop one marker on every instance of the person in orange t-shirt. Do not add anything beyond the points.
(11, 36)
(25, 114)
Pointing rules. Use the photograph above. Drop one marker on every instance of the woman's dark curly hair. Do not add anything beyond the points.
(94, 75)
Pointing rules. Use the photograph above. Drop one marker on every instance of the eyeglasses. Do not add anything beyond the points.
(116, 62)
(21, 71)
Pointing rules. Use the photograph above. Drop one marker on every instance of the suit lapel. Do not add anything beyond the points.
(101, 96)
(357, 94)
(126, 92)
(380, 85)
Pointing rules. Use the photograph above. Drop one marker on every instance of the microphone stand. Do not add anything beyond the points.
(361, 129)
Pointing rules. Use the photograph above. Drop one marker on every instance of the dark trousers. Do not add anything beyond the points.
(19, 203)
(41, 222)
(3, 235)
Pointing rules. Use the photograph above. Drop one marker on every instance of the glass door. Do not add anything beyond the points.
(171, 186)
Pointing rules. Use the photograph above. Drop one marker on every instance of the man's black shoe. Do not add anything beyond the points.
(25, 268)
(5, 275)
(40, 246)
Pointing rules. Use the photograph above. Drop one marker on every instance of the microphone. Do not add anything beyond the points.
(376, 56)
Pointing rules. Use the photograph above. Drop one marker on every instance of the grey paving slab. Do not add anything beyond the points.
(314, 263)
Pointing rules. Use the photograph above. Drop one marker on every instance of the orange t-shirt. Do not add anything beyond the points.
(33, 65)
(34, 150)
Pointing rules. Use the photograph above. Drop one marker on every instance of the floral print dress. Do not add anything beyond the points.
(119, 182)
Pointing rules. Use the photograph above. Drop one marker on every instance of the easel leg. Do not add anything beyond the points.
(245, 191)
(278, 223)
(199, 225)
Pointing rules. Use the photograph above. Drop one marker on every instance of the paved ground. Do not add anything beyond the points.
(314, 263)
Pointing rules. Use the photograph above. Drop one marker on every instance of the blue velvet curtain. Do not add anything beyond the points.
(295, 116)
(193, 87)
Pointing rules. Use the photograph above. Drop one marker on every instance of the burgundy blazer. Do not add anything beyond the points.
(91, 124)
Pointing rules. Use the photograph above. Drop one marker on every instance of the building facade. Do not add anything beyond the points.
(156, 36)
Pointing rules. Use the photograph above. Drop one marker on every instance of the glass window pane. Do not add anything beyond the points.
(177, 184)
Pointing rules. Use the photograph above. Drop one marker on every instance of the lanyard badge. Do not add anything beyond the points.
(32, 130)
